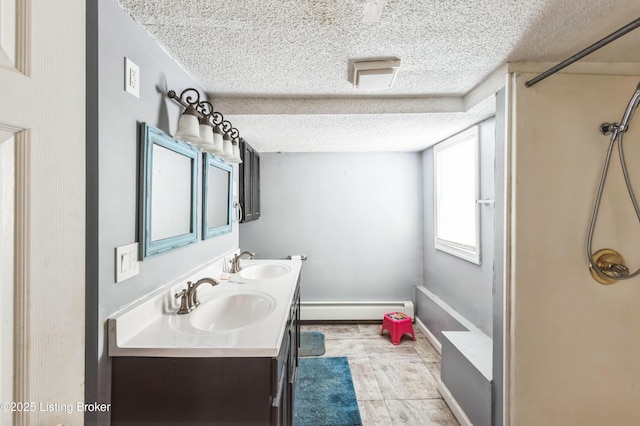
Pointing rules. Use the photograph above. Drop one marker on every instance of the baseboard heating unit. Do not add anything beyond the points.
(351, 311)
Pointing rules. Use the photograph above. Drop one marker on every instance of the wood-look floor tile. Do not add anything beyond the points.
(395, 385)
(424, 412)
(381, 351)
(406, 380)
(334, 331)
(370, 330)
(434, 368)
(353, 349)
(405, 338)
(374, 413)
(365, 382)
(426, 351)
(308, 327)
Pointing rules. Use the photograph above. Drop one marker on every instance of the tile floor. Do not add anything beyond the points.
(395, 385)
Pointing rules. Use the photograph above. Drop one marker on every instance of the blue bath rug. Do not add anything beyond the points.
(324, 394)
(311, 343)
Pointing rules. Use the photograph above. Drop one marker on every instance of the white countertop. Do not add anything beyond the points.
(151, 327)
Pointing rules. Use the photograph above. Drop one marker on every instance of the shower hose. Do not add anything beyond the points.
(617, 271)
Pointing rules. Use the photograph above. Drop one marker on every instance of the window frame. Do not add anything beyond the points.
(452, 247)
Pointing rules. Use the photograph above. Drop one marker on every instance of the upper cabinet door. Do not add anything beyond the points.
(255, 185)
(249, 182)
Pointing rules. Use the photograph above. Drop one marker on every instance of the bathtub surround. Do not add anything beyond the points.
(557, 375)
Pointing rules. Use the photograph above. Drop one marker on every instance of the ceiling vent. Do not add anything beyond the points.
(372, 75)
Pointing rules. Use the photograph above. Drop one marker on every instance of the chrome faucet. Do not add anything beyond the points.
(235, 262)
(189, 296)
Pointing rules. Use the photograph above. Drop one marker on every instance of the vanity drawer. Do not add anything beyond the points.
(189, 391)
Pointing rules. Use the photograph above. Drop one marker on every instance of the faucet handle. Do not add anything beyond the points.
(226, 265)
(184, 302)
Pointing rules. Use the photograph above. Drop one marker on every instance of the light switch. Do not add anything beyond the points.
(127, 264)
(124, 262)
(131, 77)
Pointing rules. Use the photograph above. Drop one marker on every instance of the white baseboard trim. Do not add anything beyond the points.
(455, 408)
(430, 337)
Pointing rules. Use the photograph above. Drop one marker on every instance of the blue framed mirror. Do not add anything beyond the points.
(169, 173)
(217, 197)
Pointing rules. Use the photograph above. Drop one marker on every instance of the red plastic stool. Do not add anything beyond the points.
(398, 324)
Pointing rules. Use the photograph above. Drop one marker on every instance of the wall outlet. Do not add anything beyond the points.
(131, 78)
(127, 264)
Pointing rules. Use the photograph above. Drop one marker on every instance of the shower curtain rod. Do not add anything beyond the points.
(595, 46)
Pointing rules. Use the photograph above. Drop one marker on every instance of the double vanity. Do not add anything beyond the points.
(230, 360)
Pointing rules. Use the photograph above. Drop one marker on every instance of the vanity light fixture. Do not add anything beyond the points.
(227, 149)
(375, 75)
(199, 125)
(229, 143)
(217, 136)
(188, 125)
(235, 145)
(211, 141)
(236, 151)
(207, 136)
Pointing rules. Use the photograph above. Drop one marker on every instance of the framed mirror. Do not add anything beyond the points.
(169, 173)
(217, 197)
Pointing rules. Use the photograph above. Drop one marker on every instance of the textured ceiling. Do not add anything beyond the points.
(280, 70)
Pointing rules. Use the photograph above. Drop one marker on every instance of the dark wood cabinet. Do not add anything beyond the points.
(249, 182)
(283, 403)
(209, 391)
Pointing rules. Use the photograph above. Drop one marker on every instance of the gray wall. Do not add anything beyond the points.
(114, 178)
(463, 285)
(358, 216)
(434, 317)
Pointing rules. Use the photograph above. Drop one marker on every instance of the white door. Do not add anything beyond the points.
(7, 218)
(42, 185)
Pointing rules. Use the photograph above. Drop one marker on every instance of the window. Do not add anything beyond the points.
(457, 222)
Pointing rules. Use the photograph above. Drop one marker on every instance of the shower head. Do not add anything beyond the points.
(633, 104)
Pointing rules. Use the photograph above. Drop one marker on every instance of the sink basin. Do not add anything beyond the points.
(232, 311)
(263, 271)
